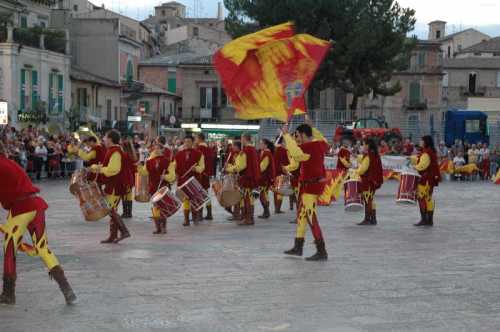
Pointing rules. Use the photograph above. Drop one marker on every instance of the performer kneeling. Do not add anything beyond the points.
(427, 166)
(247, 165)
(267, 175)
(310, 154)
(26, 212)
(161, 172)
(371, 173)
(114, 175)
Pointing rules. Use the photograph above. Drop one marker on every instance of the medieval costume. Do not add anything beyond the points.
(26, 212)
(267, 175)
(204, 177)
(371, 174)
(280, 161)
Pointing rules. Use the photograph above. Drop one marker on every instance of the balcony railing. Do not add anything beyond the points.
(37, 37)
(479, 92)
(415, 105)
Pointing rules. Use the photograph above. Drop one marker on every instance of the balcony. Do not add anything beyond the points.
(466, 92)
(415, 105)
(37, 37)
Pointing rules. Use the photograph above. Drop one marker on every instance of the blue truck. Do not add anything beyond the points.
(467, 126)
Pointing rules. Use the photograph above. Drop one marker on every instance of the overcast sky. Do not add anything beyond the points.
(458, 13)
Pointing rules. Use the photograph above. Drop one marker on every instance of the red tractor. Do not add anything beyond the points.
(373, 128)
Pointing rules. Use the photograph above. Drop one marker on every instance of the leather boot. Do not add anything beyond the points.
(430, 218)
(236, 213)
(157, 223)
(209, 213)
(423, 218)
(186, 218)
(373, 219)
(124, 233)
(9, 291)
(266, 213)
(367, 219)
(57, 274)
(292, 202)
(163, 225)
(130, 204)
(321, 254)
(277, 205)
(127, 209)
(113, 232)
(297, 248)
(247, 216)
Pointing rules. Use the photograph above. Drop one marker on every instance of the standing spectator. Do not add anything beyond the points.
(442, 151)
(40, 158)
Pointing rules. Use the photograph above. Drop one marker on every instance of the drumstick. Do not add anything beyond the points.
(189, 170)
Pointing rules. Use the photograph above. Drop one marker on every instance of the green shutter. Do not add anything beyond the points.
(60, 93)
(171, 82)
(146, 106)
(34, 88)
(414, 93)
(22, 94)
(130, 71)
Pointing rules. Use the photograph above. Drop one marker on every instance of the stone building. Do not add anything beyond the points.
(180, 34)
(34, 65)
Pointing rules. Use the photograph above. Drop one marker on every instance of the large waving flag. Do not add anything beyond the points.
(496, 179)
(266, 74)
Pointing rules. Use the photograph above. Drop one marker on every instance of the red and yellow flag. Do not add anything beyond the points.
(266, 74)
(496, 179)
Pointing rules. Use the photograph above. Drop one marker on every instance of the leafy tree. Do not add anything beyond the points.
(370, 37)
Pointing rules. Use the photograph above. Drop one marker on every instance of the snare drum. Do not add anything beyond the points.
(93, 204)
(230, 192)
(352, 196)
(217, 189)
(283, 185)
(141, 189)
(194, 192)
(78, 179)
(167, 203)
(407, 190)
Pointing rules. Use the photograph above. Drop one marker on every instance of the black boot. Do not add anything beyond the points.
(157, 223)
(209, 213)
(130, 204)
(430, 218)
(277, 204)
(9, 291)
(321, 254)
(163, 225)
(266, 213)
(57, 274)
(367, 219)
(297, 248)
(423, 218)
(373, 218)
(186, 218)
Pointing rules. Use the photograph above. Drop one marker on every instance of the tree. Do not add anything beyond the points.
(370, 38)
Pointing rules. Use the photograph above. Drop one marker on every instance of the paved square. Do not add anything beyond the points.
(220, 277)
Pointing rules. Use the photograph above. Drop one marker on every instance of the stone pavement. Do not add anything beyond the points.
(220, 277)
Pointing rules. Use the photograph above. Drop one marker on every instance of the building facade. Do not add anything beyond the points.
(34, 66)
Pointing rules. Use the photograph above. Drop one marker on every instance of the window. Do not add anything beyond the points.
(414, 93)
(421, 59)
(75, 8)
(438, 34)
(472, 126)
(445, 79)
(29, 89)
(498, 79)
(195, 31)
(208, 101)
(172, 82)
(81, 97)
(130, 71)
(449, 51)
(459, 47)
(24, 22)
(108, 110)
(472, 83)
(56, 93)
(117, 118)
(163, 12)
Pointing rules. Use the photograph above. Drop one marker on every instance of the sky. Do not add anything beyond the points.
(460, 14)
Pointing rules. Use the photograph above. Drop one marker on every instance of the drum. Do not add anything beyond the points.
(141, 189)
(283, 185)
(78, 179)
(167, 203)
(230, 192)
(92, 202)
(194, 192)
(217, 188)
(407, 190)
(352, 196)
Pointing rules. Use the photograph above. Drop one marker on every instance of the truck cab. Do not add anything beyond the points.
(466, 125)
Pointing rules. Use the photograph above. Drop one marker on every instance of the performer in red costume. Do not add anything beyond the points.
(267, 175)
(371, 174)
(161, 172)
(344, 159)
(247, 165)
(427, 166)
(204, 177)
(310, 154)
(280, 161)
(230, 163)
(114, 175)
(188, 163)
(26, 212)
(94, 156)
(131, 159)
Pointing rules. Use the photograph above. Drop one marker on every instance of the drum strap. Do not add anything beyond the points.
(314, 180)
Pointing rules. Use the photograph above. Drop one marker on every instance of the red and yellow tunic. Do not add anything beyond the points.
(246, 164)
(114, 173)
(17, 193)
(208, 157)
(311, 156)
(267, 169)
(280, 160)
(94, 157)
(156, 166)
(370, 171)
(344, 159)
(188, 162)
(130, 169)
(428, 168)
